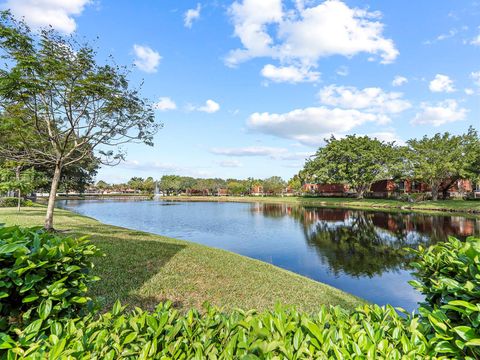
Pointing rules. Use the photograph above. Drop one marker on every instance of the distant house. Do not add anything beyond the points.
(257, 190)
(387, 188)
(325, 189)
(222, 192)
(193, 192)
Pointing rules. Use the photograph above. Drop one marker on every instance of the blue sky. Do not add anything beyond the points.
(250, 88)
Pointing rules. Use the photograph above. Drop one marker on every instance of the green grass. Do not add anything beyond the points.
(458, 206)
(143, 269)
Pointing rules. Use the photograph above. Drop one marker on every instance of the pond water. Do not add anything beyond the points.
(353, 250)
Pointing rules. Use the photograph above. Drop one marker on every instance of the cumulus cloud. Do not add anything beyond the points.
(342, 71)
(311, 125)
(371, 99)
(399, 81)
(440, 113)
(230, 163)
(475, 76)
(291, 74)
(165, 104)
(442, 83)
(306, 34)
(191, 15)
(476, 40)
(469, 91)
(209, 107)
(250, 151)
(38, 13)
(146, 59)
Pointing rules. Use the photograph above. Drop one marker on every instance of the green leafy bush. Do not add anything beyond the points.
(13, 202)
(42, 275)
(449, 276)
(43, 282)
(332, 333)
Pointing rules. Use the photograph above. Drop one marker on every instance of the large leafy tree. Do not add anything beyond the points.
(358, 161)
(274, 185)
(71, 105)
(442, 159)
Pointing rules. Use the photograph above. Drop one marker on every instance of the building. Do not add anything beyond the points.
(326, 189)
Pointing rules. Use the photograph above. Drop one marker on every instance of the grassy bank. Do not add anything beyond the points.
(451, 206)
(143, 269)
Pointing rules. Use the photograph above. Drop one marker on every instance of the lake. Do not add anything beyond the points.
(353, 250)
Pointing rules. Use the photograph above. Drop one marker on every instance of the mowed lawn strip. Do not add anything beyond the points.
(142, 269)
(457, 206)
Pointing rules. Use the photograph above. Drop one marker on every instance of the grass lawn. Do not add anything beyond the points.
(142, 269)
(458, 206)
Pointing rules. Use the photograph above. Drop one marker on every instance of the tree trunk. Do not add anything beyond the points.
(434, 192)
(52, 197)
(17, 177)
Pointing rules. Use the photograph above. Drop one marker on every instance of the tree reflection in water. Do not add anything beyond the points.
(366, 243)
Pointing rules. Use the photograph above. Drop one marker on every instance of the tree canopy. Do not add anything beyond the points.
(358, 161)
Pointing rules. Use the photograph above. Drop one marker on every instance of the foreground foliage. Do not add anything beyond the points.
(53, 323)
(449, 277)
(42, 275)
(166, 334)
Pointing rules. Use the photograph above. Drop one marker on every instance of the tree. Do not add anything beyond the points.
(358, 161)
(102, 186)
(442, 159)
(71, 106)
(14, 179)
(274, 185)
(170, 184)
(236, 187)
(295, 183)
(149, 185)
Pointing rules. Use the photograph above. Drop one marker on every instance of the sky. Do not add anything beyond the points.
(251, 88)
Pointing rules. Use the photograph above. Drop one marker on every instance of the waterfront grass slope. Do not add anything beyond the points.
(143, 269)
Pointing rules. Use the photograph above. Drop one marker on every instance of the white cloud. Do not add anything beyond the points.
(475, 76)
(442, 83)
(342, 71)
(371, 99)
(399, 81)
(230, 163)
(469, 91)
(476, 40)
(387, 136)
(289, 74)
(310, 125)
(146, 59)
(165, 104)
(440, 113)
(191, 15)
(305, 34)
(209, 107)
(39, 13)
(250, 151)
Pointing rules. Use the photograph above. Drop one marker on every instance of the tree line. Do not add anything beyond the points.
(175, 185)
(359, 161)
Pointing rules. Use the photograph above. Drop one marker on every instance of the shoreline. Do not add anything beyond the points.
(447, 207)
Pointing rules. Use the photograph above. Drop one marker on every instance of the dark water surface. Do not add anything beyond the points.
(353, 250)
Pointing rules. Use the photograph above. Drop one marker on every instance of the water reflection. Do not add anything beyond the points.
(360, 243)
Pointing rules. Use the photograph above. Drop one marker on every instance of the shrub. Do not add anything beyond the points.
(13, 202)
(42, 274)
(370, 332)
(449, 277)
(43, 281)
